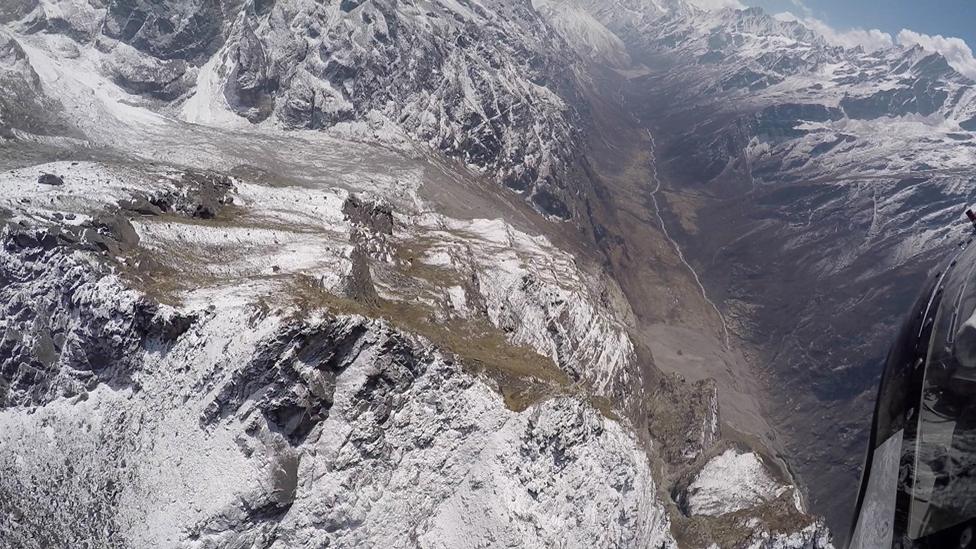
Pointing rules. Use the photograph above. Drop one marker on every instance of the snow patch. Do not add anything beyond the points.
(731, 482)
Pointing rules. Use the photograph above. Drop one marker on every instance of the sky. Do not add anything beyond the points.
(945, 26)
(933, 17)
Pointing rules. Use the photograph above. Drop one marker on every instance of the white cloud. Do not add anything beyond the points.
(713, 5)
(869, 39)
(955, 50)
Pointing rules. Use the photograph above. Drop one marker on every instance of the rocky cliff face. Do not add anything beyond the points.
(250, 415)
(259, 289)
(253, 429)
(24, 105)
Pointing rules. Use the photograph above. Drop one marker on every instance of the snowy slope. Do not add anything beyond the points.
(236, 363)
(213, 421)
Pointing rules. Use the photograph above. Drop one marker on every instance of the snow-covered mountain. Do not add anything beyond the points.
(195, 360)
(255, 413)
(452, 273)
(483, 84)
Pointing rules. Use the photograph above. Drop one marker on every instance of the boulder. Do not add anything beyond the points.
(50, 179)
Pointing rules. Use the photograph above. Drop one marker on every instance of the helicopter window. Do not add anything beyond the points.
(944, 490)
(945, 472)
(875, 525)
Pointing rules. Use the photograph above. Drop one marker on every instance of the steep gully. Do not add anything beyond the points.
(676, 327)
(773, 425)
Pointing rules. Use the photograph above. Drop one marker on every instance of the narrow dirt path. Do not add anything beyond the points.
(677, 248)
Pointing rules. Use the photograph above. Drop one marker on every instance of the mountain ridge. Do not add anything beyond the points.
(473, 181)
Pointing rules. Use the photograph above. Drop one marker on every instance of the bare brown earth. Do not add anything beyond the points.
(675, 324)
(675, 329)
